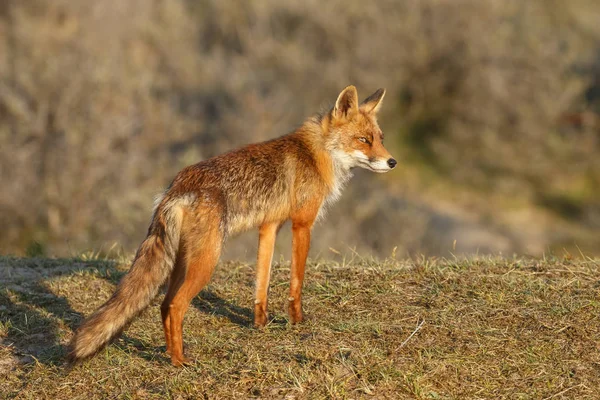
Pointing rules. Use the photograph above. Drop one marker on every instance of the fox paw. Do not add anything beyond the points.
(181, 361)
(295, 311)
(260, 315)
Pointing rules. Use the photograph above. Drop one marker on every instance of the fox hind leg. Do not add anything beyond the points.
(175, 283)
(202, 252)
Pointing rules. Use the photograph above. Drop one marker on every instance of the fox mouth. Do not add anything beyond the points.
(370, 167)
(380, 170)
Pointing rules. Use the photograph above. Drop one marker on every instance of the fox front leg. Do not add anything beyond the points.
(300, 246)
(266, 244)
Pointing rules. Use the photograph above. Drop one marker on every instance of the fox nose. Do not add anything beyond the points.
(392, 163)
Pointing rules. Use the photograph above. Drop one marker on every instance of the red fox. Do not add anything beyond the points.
(293, 177)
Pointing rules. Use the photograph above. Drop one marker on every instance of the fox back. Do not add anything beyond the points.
(267, 182)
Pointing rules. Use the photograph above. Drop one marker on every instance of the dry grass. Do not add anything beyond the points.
(432, 329)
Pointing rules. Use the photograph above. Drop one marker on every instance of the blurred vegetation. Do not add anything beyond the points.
(492, 108)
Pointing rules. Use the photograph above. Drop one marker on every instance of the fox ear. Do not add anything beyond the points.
(372, 104)
(346, 105)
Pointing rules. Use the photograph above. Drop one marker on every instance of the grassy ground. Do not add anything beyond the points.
(431, 329)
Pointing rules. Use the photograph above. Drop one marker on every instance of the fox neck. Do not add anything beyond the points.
(342, 173)
(341, 163)
(335, 163)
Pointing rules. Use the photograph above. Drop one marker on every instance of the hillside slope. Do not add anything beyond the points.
(431, 329)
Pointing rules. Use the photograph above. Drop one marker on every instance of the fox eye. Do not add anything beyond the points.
(363, 139)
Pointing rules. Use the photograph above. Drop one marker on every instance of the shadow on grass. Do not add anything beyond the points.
(35, 319)
(210, 303)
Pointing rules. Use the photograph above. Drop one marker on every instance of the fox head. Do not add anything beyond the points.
(354, 138)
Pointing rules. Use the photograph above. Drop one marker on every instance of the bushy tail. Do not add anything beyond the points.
(151, 267)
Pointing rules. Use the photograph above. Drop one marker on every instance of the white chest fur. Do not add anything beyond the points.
(342, 162)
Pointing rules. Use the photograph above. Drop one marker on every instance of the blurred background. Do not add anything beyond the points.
(492, 110)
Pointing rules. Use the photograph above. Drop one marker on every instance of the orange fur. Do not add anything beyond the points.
(261, 185)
